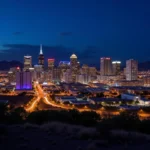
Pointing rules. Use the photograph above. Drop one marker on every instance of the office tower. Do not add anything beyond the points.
(116, 65)
(74, 65)
(56, 74)
(41, 57)
(67, 76)
(47, 76)
(83, 78)
(64, 65)
(131, 70)
(38, 68)
(85, 69)
(51, 64)
(33, 74)
(27, 62)
(12, 74)
(105, 66)
(92, 71)
(38, 71)
(24, 80)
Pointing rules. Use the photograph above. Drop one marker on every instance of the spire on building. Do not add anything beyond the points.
(41, 52)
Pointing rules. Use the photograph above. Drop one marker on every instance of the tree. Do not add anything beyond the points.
(3, 112)
(17, 115)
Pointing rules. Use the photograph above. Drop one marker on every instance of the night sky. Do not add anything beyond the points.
(90, 28)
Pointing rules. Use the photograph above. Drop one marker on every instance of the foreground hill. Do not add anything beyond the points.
(56, 136)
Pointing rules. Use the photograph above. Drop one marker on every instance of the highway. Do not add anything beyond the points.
(31, 106)
(41, 95)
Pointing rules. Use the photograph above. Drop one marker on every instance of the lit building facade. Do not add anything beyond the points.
(146, 81)
(116, 67)
(92, 71)
(74, 66)
(41, 57)
(67, 76)
(51, 64)
(83, 78)
(105, 66)
(56, 74)
(24, 80)
(131, 70)
(27, 62)
(85, 69)
(38, 69)
(12, 74)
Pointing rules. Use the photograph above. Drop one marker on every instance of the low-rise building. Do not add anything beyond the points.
(130, 96)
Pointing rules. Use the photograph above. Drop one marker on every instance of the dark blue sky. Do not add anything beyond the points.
(89, 28)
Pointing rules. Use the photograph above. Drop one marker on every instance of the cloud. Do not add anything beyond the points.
(17, 33)
(66, 33)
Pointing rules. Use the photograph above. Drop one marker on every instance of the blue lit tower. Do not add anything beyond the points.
(24, 80)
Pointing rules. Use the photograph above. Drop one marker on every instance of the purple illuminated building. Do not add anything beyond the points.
(24, 80)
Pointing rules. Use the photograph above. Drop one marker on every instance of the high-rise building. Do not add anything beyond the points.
(38, 68)
(41, 57)
(131, 70)
(51, 64)
(27, 62)
(85, 69)
(24, 80)
(12, 74)
(83, 78)
(92, 71)
(106, 66)
(38, 71)
(116, 66)
(67, 76)
(64, 65)
(74, 65)
(56, 74)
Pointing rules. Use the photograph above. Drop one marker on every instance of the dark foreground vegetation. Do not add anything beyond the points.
(70, 130)
(127, 120)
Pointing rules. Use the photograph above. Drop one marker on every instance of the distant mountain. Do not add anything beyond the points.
(144, 66)
(6, 65)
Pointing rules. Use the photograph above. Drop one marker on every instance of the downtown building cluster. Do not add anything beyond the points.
(72, 72)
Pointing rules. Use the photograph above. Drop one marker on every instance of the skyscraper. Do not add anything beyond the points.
(56, 74)
(51, 64)
(27, 62)
(24, 80)
(64, 65)
(12, 74)
(105, 66)
(116, 65)
(131, 70)
(74, 66)
(38, 71)
(41, 57)
(85, 69)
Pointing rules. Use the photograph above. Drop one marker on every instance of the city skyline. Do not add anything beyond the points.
(116, 29)
(74, 74)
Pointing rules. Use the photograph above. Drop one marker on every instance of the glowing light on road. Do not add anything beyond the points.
(33, 105)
